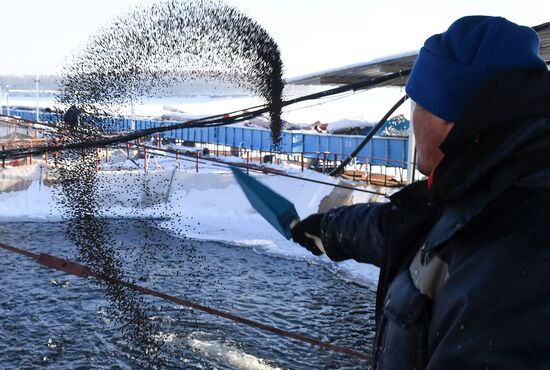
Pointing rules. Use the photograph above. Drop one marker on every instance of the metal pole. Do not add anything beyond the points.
(37, 81)
(8, 99)
(97, 160)
(56, 154)
(302, 161)
(197, 161)
(132, 111)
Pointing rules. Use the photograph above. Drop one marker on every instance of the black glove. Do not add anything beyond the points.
(307, 233)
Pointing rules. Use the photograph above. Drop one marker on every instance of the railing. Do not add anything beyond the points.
(380, 151)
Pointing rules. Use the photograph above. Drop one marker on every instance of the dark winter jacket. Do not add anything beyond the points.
(465, 265)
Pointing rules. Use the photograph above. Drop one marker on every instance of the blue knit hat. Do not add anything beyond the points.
(453, 64)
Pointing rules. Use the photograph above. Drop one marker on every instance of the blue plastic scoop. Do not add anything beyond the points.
(276, 209)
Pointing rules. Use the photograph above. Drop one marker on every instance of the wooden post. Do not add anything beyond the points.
(128, 149)
(325, 162)
(145, 159)
(106, 153)
(3, 159)
(370, 173)
(158, 140)
(336, 161)
(47, 154)
(302, 161)
(30, 151)
(177, 159)
(247, 161)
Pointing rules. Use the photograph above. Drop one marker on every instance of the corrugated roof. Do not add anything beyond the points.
(544, 35)
(380, 67)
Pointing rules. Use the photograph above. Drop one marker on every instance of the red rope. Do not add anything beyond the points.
(76, 269)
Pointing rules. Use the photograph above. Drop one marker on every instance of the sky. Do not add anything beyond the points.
(37, 36)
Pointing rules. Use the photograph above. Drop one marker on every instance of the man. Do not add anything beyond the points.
(464, 256)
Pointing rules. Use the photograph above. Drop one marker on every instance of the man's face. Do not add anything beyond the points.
(429, 132)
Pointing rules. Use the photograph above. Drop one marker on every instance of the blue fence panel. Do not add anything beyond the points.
(365, 154)
(230, 136)
(212, 136)
(266, 141)
(379, 152)
(311, 145)
(397, 153)
(199, 135)
(239, 137)
(297, 143)
(194, 134)
(189, 134)
(349, 144)
(323, 144)
(222, 135)
(286, 142)
(128, 124)
(247, 138)
(335, 147)
(256, 139)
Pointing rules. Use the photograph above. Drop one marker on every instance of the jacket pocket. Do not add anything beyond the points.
(404, 344)
(404, 304)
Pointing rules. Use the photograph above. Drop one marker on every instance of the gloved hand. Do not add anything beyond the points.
(307, 233)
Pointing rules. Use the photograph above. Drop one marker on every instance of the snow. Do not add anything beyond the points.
(208, 205)
(347, 124)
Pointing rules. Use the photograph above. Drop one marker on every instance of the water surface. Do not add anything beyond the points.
(50, 319)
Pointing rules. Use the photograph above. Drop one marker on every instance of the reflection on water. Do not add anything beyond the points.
(47, 317)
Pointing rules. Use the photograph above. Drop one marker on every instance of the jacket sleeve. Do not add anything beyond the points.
(355, 232)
